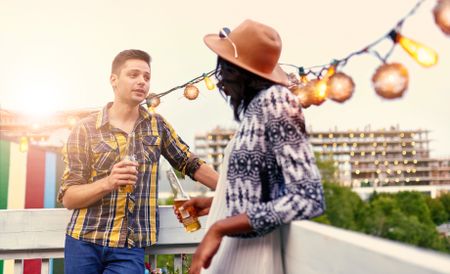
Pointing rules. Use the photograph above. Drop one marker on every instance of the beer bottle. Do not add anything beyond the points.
(188, 215)
(130, 150)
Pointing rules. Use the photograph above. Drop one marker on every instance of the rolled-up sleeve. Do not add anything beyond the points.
(76, 158)
(302, 194)
(176, 151)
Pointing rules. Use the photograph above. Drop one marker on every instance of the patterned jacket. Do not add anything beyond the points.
(272, 173)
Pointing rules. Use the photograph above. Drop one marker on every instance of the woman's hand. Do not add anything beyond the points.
(200, 204)
(206, 250)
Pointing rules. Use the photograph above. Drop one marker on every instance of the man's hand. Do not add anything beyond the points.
(123, 173)
(201, 205)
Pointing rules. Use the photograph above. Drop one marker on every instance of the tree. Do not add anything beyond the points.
(403, 217)
(327, 169)
(413, 203)
(343, 207)
(445, 201)
(437, 210)
(408, 217)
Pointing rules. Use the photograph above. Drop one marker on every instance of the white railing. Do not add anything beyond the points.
(39, 234)
(308, 248)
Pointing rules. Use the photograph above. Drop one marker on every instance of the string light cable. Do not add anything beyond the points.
(315, 84)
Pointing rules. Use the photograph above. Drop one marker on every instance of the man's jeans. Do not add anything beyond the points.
(87, 258)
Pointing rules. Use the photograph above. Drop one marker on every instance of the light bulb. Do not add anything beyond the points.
(340, 87)
(152, 100)
(441, 14)
(390, 80)
(316, 91)
(423, 55)
(23, 147)
(191, 92)
(208, 82)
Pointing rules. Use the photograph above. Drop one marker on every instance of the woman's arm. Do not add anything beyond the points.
(211, 241)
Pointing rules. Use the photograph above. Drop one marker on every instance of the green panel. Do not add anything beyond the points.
(58, 266)
(4, 177)
(4, 173)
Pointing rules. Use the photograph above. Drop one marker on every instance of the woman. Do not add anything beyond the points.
(268, 176)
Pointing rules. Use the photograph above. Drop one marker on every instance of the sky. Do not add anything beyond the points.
(56, 55)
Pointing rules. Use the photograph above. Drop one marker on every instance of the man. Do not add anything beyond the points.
(111, 225)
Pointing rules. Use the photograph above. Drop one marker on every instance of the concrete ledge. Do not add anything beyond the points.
(311, 248)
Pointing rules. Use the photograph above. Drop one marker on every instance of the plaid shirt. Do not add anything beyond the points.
(121, 219)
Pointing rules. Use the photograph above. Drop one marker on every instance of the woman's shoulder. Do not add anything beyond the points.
(278, 98)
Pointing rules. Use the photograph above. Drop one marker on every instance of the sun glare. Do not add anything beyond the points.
(36, 98)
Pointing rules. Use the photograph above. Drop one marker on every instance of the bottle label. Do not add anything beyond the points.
(183, 212)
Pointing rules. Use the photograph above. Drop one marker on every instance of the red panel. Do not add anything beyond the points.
(35, 185)
(32, 266)
(34, 195)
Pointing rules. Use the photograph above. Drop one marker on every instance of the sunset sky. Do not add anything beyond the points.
(56, 55)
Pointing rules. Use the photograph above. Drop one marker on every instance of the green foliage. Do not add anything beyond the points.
(408, 217)
(445, 201)
(343, 207)
(166, 261)
(437, 210)
(403, 216)
(327, 168)
(414, 204)
(168, 201)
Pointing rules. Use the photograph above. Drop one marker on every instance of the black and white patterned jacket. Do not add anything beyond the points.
(272, 173)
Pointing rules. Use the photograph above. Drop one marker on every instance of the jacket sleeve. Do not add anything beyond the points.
(177, 152)
(301, 196)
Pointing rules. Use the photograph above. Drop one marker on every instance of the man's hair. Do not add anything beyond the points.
(128, 54)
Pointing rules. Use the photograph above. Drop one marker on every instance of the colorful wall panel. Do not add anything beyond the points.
(28, 180)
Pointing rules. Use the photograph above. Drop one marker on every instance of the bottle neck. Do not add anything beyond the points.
(175, 184)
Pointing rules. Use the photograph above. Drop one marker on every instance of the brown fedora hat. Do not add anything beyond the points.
(252, 46)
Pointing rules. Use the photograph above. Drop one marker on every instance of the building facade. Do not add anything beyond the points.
(382, 157)
(363, 158)
(211, 145)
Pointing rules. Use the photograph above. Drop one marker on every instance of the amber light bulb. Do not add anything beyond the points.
(423, 55)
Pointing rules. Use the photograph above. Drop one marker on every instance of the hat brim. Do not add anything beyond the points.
(224, 49)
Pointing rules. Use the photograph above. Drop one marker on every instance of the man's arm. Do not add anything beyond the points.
(206, 175)
(177, 153)
(83, 195)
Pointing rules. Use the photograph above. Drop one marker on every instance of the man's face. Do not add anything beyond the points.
(132, 84)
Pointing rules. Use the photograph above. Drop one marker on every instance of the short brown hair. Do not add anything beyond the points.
(128, 54)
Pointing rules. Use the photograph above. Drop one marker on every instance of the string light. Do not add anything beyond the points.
(314, 93)
(208, 82)
(191, 92)
(390, 80)
(153, 100)
(422, 54)
(441, 13)
(303, 75)
(338, 86)
(23, 144)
